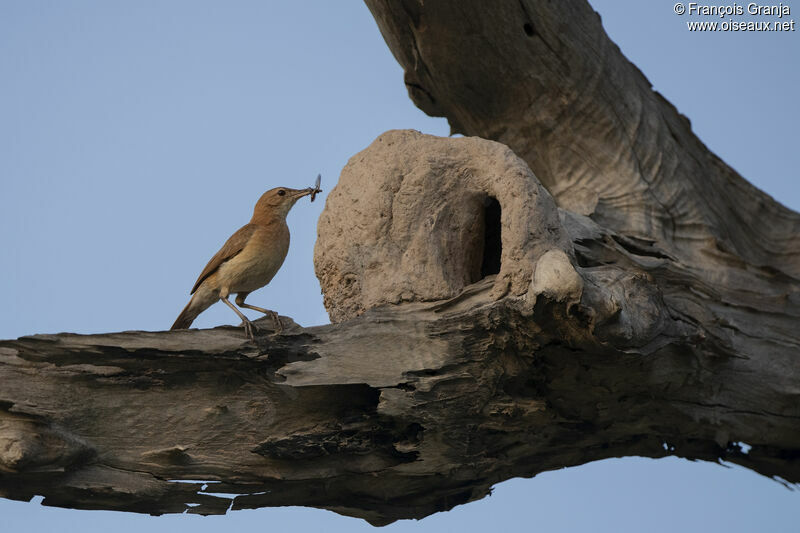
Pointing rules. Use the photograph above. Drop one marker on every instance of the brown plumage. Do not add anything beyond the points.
(247, 261)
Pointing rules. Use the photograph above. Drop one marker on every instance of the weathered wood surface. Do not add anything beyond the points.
(405, 410)
(660, 318)
(544, 78)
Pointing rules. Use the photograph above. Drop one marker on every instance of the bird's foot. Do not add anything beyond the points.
(276, 320)
(249, 328)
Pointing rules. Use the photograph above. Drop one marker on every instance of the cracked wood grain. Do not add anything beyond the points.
(403, 411)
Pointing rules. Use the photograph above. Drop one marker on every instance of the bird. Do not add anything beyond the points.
(248, 260)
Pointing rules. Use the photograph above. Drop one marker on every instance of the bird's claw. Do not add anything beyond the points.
(276, 320)
(248, 328)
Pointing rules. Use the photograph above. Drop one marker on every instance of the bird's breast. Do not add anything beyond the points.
(259, 260)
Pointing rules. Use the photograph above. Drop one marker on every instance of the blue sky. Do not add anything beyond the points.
(135, 138)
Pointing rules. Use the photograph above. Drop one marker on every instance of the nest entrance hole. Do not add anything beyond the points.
(492, 238)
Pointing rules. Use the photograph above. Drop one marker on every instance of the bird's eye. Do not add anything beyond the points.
(281, 192)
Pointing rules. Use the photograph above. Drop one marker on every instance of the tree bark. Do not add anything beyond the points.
(656, 319)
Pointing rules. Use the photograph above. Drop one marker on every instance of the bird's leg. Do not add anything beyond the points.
(275, 318)
(248, 326)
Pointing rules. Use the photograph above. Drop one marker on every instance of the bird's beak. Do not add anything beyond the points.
(302, 192)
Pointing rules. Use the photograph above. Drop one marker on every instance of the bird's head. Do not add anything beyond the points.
(276, 203)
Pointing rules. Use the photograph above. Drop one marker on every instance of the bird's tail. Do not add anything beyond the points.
(196, 305)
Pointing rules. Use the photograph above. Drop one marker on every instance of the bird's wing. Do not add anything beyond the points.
(232, 246)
